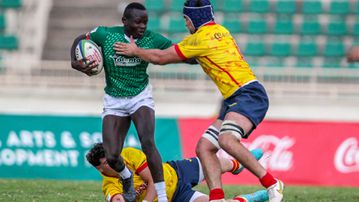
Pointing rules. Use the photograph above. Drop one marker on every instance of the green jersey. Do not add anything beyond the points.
(125, 76)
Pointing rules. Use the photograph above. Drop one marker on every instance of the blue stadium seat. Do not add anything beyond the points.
(257, 26)
(255, 49)
(232, 24)
(307, 49)
(177, 25)
(285, 6)
(355, 30)
(216, 4)
(177, 5)
(283, 26)
(281, 49)
(10, 3)
(259, 6)
(2, 22)
(310, 27)
(8, 42)
(339, 7)
(154, 23)
(336, 27)
(155, 5)
(233, 6)
(312, 7)
(334, 48)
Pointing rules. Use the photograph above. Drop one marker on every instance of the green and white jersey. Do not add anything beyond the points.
(125, 76)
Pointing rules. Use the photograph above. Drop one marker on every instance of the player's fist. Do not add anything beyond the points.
(84, 66)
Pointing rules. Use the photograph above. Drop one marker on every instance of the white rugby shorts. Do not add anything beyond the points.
(125, 106)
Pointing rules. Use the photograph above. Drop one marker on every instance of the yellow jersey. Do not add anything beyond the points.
(135, 161)
(219, 56)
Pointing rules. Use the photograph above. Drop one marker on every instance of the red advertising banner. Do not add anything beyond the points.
(297, 152)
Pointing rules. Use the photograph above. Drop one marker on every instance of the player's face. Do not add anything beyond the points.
(106, 169)
(189, 25)
(136, 23)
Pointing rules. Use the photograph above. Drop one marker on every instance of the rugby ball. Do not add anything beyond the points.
(89, 49)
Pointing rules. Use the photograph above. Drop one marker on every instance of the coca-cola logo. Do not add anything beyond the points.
(277, 154)
(347, 156)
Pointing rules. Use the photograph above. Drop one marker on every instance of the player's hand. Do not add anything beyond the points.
(118, 198)
(85, 66)
(128, 49)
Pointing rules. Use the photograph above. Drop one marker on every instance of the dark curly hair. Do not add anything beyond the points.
(95, 154)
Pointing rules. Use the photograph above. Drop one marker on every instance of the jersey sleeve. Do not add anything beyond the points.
(161, 42)
(135, 159)
(190, 47)
(98, 35)
(111, 188)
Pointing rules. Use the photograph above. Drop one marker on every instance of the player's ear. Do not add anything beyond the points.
(124, 20)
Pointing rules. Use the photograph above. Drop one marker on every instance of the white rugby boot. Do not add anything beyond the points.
(275, 192)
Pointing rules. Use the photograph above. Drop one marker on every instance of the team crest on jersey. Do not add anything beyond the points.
(122, 61)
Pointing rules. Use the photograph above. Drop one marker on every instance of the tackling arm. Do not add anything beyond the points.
(155, 56)
(147, 178)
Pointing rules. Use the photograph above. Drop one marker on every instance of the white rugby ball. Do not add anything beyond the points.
(89, 49)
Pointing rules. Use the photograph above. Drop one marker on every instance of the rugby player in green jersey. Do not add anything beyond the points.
(128, 94)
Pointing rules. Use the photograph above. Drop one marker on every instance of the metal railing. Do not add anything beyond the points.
(190, 79)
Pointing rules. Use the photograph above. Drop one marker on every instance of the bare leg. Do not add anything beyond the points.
(144, 120)
(206, 152)
(114, 130)
(234, 147)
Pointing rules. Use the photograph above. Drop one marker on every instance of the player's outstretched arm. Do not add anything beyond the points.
(155, 56)
(150, 190)
(83, 66)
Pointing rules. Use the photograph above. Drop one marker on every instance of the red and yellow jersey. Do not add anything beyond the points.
(135, 161)
(217, 52)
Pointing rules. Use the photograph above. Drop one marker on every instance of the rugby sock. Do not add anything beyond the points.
(216, 194)
(267, 180)
(161, 191)
(125, 173)
(235, 165)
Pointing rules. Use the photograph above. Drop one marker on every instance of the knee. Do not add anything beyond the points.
(225, 141)
(205, 147)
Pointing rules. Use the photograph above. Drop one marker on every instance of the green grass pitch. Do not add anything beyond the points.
(77, 191)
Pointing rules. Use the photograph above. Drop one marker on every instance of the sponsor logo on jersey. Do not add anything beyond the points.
(347, 156)
(121, 61)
